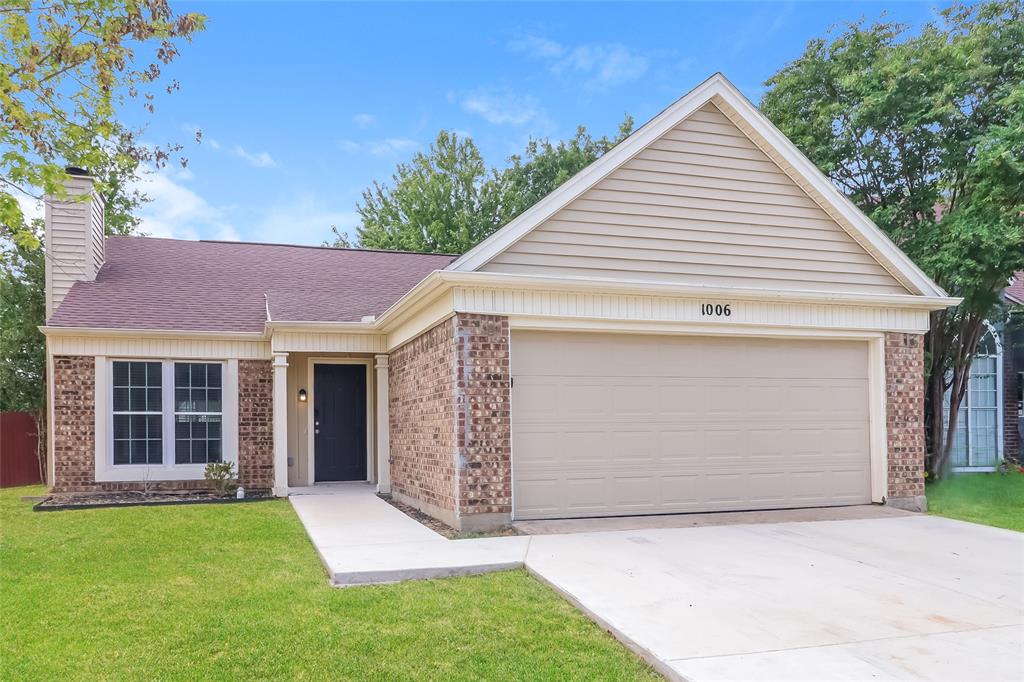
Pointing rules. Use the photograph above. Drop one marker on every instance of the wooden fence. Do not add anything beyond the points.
(19, 458)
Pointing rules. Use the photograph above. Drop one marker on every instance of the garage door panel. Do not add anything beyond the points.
(617, 425)
(678, 446)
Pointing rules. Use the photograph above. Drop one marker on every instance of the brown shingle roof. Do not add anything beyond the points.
(1014, 292)
(149, 283)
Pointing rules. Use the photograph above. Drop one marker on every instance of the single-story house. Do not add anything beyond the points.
(697, 321)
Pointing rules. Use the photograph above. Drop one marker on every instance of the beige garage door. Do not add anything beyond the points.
(612, 425)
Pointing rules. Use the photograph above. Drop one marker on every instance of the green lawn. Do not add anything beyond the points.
(992, 499)
(236, 592)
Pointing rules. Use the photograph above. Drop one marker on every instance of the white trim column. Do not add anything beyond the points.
(383, 422)
(280, 424)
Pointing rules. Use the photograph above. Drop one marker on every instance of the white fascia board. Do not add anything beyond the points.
(151, 333)
(313, 326)
(717, 85)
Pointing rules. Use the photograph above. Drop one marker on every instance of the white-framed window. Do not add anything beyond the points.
(198, 412)
(977, 440)
(137, 412)
(164, 419)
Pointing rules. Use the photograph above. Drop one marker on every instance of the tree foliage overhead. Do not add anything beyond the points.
(925, 133)
(65, 68)
(22, 348)
(446, 200)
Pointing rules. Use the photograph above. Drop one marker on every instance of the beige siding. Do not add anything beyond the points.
(74, 240)
(701, 205)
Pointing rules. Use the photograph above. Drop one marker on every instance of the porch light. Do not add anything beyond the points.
(302, 395)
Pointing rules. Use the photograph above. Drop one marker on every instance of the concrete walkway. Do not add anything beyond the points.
(363, 540)
(903, 596)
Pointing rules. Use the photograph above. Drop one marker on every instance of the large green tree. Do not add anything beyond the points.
(925, 133)
(447, 200)
(66, 67)
(443, 201)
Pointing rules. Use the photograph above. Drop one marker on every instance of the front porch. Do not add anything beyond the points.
(330, 420)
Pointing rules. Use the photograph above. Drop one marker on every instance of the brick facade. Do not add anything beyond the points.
(904, 407)
(74, 423)
(256, 424)
(450, 429)
(74, 429)
(421, 397)
(484, 429)
(1013, 364)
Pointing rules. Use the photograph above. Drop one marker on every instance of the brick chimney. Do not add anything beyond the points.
(74, 237)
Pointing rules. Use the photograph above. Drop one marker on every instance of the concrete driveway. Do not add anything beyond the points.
(893, 598)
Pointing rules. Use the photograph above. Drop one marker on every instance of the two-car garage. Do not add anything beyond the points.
(618, 424)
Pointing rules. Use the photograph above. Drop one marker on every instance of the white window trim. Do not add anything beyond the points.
(107, 471)
(967, 408)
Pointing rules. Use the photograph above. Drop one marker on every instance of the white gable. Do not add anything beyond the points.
(708, 193)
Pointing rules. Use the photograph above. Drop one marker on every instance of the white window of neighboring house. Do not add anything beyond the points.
(164, 419)
(977, 442)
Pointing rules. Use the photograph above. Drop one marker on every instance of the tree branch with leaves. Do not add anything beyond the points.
(66, 66)
(925, 133)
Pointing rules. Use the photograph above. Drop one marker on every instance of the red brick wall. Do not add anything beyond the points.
(904, 406)
(421, 395)
(256, 424)
(483, 434)
(74, 423)
(1013, 340)
(74, 432)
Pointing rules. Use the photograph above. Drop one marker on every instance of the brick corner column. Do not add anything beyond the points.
(74, 424)
(255, 424)
(483, 421)
(904, 420)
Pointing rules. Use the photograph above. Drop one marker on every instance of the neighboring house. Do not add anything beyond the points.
(990, 422)
(697, 321)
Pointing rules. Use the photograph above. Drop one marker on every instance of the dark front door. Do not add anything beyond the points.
(339, 422)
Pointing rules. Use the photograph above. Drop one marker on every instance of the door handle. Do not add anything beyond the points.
(316, 430)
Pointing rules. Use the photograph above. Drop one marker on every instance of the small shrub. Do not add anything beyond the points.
(222, 474)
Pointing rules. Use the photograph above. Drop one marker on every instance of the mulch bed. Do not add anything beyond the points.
(443, 528)
(139, 499)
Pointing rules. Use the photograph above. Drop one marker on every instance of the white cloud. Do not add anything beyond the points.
(537, 47)
(303, 219)
(388, 146)
(502, 108)
(178, 212)
(758, 27)
(256, 160)
(364, 120)
(602, 65)
(31, 207)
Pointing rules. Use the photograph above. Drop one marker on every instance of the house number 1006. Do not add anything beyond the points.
(716, 309)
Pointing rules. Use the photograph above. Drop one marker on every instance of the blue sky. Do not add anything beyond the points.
(302, 105)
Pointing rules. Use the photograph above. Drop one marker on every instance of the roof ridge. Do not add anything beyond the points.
(292, 246)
